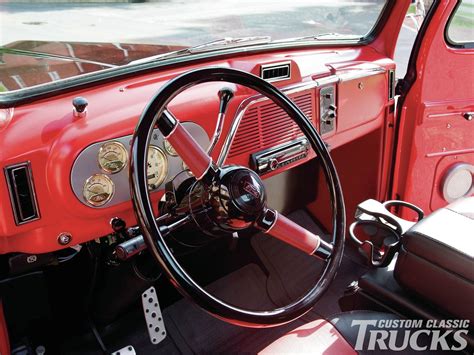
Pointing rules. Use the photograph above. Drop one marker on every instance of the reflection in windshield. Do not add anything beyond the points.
(46, 42)
(186, 23)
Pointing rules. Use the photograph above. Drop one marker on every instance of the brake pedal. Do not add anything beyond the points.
(128, 350)
(153, 317)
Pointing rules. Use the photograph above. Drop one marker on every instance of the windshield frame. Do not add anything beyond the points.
(18, 97)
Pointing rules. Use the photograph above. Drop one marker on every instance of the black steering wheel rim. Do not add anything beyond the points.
(150, 229)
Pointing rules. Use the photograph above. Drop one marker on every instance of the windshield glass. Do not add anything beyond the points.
(104, 35)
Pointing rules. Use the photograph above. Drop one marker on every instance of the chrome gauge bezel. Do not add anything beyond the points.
(164, 171)
(168, 148)
(102, 151)
(101, 203)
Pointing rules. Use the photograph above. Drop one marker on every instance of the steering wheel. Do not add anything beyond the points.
(231, 198)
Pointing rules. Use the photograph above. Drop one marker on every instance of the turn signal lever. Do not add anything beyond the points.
(135, 245)
(225, 95)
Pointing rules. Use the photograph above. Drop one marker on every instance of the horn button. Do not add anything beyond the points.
(239, 198)
(247, 192)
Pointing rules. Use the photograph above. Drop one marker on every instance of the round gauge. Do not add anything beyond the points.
(112, 157)
(157, 167)
(169, 148)
(98, 190)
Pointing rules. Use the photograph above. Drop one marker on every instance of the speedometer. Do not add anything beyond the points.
(157, 167)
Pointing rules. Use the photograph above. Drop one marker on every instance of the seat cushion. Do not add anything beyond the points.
(317, 337)
(341, 334)
(446, 238)
(436, 260)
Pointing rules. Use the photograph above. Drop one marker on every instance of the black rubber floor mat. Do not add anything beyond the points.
(193, 330)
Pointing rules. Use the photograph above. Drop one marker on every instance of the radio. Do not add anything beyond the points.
(277, 157)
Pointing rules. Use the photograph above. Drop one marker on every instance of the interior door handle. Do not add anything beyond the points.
(468, 115)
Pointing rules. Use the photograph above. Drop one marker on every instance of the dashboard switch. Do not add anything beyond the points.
(327, 109)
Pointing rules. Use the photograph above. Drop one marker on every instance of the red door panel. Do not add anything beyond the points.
(433, 134)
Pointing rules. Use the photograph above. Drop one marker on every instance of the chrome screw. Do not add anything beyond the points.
(64, 238)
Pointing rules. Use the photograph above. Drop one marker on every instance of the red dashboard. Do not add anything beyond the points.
(48, 136)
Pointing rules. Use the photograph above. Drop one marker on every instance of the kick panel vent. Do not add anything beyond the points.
(266, 125)
(22, 193)
(275, 72)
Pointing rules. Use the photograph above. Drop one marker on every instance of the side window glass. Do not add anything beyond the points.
(413, 19)
(460, 30)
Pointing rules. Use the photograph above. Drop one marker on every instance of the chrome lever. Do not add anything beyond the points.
(468, 116)
(225, 95)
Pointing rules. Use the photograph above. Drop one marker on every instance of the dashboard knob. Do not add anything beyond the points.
(273, 164)
(225, 95)
(80, 106)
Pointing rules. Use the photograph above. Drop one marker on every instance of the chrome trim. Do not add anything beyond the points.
(19, 220)
(391, 84)
(274, 222)
(359, 74)
(172, 130)
(319, 244)
(272, 66)
(245, 104)
(101, 203)
(101, 150)
(217, 133)
(452, 170)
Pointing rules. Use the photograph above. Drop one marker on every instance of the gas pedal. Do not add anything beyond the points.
(128, 350)
(153, 317)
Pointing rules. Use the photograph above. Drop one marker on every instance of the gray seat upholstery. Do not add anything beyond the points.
(436, 260)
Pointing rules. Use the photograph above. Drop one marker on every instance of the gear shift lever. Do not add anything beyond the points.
(225, 95)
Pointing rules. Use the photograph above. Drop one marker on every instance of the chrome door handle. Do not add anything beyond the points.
(468, 115)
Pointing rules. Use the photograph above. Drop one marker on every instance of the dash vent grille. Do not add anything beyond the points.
(265, 125)
(276, 72)
(22, 193)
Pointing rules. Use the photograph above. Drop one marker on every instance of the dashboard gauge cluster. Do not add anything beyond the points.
(99, 177)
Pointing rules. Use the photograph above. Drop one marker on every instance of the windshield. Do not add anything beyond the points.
(104, 35)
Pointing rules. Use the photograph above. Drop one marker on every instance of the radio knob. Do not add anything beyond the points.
(273, 164)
